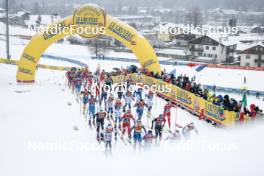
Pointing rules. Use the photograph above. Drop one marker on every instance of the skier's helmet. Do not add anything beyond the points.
(191, 124)
(149, 131)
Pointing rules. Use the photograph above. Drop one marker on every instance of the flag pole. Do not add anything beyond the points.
(7, 30)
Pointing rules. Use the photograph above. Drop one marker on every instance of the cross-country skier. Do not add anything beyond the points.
(108, 81)
(85, 96)
(91, 102)
(78, 84)
(110, 106)
(118, 113)
(167, 112)
(138, 93)
(98, 88)
(174, 136)
(70, 75)
(128, 100)
(108, 137)
(104, 92)
(140, 108)
(150, 102)
(126, 123)
(159, 123)
(74, 80)
(97, 75)
(137, 135)
(138, 73)
(129, 82)
(85, 76)
(102, 76)
(186, 131)
(119, 89)
(148, 139)
(100, 117)
(90, 80)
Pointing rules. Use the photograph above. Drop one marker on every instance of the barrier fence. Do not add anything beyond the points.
(233, 90)
(187, 100)
(44, 66)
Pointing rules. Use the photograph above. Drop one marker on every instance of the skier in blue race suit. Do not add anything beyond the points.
(137, 135)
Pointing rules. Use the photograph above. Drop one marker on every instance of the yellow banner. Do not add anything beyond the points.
(50, 67)
(187, 100)
(8, 61)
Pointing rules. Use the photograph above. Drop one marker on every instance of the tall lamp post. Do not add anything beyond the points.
(7, 30)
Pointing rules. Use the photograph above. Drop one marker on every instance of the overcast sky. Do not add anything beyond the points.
(242, 4)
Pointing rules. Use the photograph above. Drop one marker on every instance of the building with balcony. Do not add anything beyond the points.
(211, 49)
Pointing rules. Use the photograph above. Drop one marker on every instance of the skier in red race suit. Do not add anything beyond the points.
(126, 123)
(253, 113)
(102, 76)
(85, 74)
(167, 112)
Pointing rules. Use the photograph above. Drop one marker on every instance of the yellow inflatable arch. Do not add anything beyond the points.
(88, 21)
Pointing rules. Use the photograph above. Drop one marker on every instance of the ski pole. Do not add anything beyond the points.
(80, 107)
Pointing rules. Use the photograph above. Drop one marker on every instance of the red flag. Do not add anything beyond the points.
(191, 64)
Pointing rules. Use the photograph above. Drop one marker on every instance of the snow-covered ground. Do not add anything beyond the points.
(37, 138)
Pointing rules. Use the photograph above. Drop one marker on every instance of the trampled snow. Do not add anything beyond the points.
(38, 138)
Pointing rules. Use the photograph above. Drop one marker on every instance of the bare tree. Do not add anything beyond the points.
(194, 16)
(36, 8)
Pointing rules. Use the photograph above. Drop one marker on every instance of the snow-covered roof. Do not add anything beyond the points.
(168, 25)
(165, 26)
(202, 58)
(45, 19)
(235, 12)
(253, 45)
(16, 30)
(21, 13)
(229, 40)
(177, 52)
(229, 11)
(18, 14)
(255, 13)
(161, 10)
(131, 17)
(223, 40)
(2, 15)
(242, 46)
